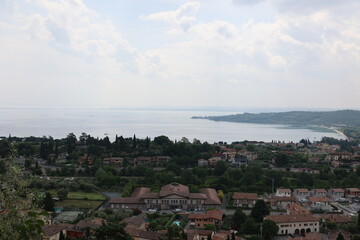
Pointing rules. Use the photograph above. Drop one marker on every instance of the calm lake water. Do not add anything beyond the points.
(174, 124)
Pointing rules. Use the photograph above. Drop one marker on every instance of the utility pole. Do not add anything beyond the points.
(272, 185)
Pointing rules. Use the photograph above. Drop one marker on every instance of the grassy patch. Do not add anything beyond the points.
(79, 204)
(81, 195)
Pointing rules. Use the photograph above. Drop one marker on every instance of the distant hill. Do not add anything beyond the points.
(340, 118)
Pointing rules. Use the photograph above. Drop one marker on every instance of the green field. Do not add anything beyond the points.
(79, 204)
(81, 195)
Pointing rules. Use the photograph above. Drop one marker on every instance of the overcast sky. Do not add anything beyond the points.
(174, 53)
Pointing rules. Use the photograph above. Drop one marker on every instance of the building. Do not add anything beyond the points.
(322, 203)
(171, 196)
(203, 162)
(352, 192)
(199, 220)
(318, 192)
(297, 209)
(52, 232)
(79, 230)
(301, 193)
(336, 218)
(282, 202)
(245, 199)
(113, 160)
(336, 193)
(283, 192)
(152, 161)
(295, 224)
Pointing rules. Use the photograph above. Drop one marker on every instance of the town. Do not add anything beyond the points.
(91, 188)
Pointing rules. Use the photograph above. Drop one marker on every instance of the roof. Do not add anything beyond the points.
(201, 232)
(319, 190)
(337, 218)
(174, 188)
(139, 192)
(249, 196)
(283, 190)
(285, 199)
(51, 230)
(337, 190)
(297, 209)
(302, 190)
(136, 232)
(211, 196)
(292, 218)
(214, 214)
(319, 199)
(92, 224)
(134, 220)
(353, 189)
(197, 196)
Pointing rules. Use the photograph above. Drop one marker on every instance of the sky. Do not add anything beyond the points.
(175, 53)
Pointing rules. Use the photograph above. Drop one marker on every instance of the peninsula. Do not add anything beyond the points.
(347, 121)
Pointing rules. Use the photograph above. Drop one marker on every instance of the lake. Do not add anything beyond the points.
(173, 123)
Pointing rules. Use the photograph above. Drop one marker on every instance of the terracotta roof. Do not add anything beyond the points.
(302, 190)
(134, 220)
(139, 233)
(92, 224)
(151, 195)
(353, 189)
(297, 209)
(285, 199)
(197, 196)
(292, 218)
(337, 218)
(174, 188)
(319, 199)
(51, 230)
(335, 233)
(319, 190)
(211, 196)
(311, 236)
(337, 190)
(283, 190)
(139, 192)
(214, 214)
(201, 232)
(249, 196)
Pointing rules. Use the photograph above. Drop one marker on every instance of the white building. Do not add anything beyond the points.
(336, 193)
(283, 192)
(295, 224)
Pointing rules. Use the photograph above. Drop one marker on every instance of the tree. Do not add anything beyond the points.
(15, 197)
(269, 229)
(134, 142)
(358, 220)
(174, 233)
(112, 231)
(61, 237)
(62, 194)
(281, 160)
(220, 168)
(259, 211)
(340, 237)
(250, 226)
(48, 202)
(239, 218)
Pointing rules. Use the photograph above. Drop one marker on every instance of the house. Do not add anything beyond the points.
(322, 203)
(295, 224)
(79, 230)
(245, 199)
(152, 161)
(239, 161)
(198, 234)
(336, 193)
(113, 160)
(336, 218)
(203, 163)
(282, 202)
(199, 220)
(301, 193)
(352, 192)
(140, 234)
(283, 192)
(52, 232)
(213, 160)
(297, 209)
(171, 196)
(320, 192)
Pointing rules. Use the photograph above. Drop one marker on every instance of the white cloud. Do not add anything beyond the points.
(182, 17)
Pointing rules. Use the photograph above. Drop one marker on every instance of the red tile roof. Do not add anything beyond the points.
(248, 196)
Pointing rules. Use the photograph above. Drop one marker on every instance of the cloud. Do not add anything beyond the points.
(182, 17)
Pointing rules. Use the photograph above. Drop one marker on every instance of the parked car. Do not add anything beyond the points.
(177, 210)
(152, 210)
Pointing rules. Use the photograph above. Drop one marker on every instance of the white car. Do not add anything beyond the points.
(151, 210)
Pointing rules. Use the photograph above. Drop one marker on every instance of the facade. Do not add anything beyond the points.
(152, 161)
(171, 196)
(213, 217)
(52, 232)
(282, 202)
(295, 224)
(301, 193)
(336, 193)
(322, 203)
(113, 160)
(283, 192)
(352, 192)
(245, 199)
(318, 192)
